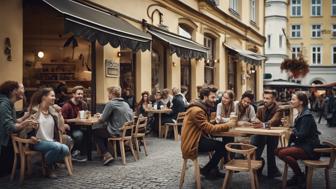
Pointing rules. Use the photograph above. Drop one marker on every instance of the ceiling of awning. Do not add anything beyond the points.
(93, 24)
(248, 56)
(183, 47)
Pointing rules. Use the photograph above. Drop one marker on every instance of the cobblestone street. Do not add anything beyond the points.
(161, 169)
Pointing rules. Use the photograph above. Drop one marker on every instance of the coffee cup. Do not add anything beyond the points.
(82, 114)
(155, 107)
(233, 117)
(162, 107)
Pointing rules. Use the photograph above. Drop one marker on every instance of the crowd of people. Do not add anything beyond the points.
(324, 105)
(44, 120)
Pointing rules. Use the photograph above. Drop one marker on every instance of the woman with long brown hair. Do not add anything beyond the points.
(50, 121)
(303, 140)
(225, 107)
(143, 104)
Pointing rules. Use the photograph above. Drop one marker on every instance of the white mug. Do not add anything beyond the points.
(155, 107)
(82, 114)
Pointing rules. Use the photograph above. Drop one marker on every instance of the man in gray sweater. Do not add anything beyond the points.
(115, 114)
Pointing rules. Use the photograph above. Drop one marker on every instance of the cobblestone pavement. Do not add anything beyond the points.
(161, 169)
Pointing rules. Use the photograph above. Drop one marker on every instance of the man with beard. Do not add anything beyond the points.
(245, 111)
(196, 130)
(270, 116)
(70, 111)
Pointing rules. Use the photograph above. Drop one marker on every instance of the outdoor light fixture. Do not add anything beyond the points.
(40, 54)
(252, 69)
(119, 54)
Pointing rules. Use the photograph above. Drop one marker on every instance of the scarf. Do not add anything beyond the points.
(226, 110)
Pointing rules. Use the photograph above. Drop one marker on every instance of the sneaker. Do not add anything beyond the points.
(107, 158)
(292, 181)
(75, 153)
(79, 158)
(50, 173)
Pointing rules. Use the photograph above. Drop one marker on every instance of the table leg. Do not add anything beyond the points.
(159, 125)
(89, 143)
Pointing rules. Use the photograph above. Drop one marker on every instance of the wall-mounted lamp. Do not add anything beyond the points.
(252, 69)
(119, 54)
(216, 61)
(40, 54)
(174, 64)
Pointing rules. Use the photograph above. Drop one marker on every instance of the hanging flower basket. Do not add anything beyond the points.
(295, 68)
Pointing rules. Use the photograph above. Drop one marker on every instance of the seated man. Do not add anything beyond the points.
(196, 130)
(115, 114)
(70, 110)
(270, 115)
(245, 111)
(178, 106)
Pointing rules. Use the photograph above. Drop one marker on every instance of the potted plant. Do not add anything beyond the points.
(295, 68)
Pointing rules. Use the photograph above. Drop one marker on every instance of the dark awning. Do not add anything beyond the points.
(183, 47)
(248, 56)
(93, 24)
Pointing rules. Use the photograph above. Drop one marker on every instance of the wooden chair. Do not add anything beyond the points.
(197, 173)
(139, 134)
(324, 164)
(246, 165)
(125, 139)
(178, 123)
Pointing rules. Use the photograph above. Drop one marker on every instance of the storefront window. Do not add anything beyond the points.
(232, 75)
(209, 64)
(186, 75)
(127, 76)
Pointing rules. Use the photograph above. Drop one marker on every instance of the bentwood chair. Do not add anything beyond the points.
(175, 125)
(242, 165)
(125, 139)
(197, 173)
(139, 134)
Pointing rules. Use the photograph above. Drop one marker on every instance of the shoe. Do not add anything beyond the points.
(75, 153)
(214, 174)
(292, 181)
(79, 158)
(274, 174)
(49, 173)
(107, 158)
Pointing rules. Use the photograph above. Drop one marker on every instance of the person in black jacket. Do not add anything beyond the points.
(178, 106)
(303, 140)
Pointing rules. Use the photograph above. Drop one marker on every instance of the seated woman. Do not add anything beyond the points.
(303, 140)
(245, 111)
(143, 104)
(225, 107)
(50, 121)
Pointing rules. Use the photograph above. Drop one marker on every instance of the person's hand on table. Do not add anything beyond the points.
(284, 122)
(231, 123)
(257, 125)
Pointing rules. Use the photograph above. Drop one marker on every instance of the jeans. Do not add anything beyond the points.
(52, 151)
(77, 135)
(290, 155)
(272, 143)
(101, 135)
(208, 145)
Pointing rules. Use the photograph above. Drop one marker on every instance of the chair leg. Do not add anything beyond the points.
(132, 150)
(197, 174)
(227, 179)
(166, 131)
(284, 176)
(22, 168)
(137, 147)
(14, 167)
(70, 162)
(29, 165)
(256, 179)
(67, 164)
(99, 153)
(122, 151)
(253, 184)
(326, 174)
(115, 149)
(175, 133)
(221, 164)
(184, 166)
(309, 178)
(145, 146)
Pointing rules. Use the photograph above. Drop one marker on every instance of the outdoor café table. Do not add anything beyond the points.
(86, 123)
(280, 132)
(159, 112)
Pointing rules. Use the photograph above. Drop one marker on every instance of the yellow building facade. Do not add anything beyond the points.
(312, 31)
(231, 30)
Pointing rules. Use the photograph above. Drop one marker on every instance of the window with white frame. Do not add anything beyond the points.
(333, 30)
(296, 30)
(316, 30)
(316, 7)
(280, 41)
(296, 50)
(253, 10)
(295, 7)
(333, 54)
(316, 55)
(333, 8)
(234, 5)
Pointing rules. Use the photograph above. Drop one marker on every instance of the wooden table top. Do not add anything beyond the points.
(85, 122)
(166, 110)
(237, 131)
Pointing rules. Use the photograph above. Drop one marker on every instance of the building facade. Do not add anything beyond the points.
(191, 43)
(310, 31)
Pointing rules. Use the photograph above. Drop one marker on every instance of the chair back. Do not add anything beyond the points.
(332, 151)
(247, 150)
(127, 130)
(20, 145)
(141, 124)
(180, 117)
